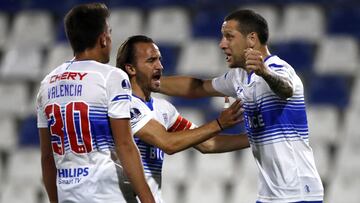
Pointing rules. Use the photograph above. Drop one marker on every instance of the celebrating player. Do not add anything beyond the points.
(83, 119)
(274, 105)
(165, 129)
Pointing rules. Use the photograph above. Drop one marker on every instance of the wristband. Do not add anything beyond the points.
(217, 120)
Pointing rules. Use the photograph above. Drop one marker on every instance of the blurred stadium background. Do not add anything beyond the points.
(320, 38)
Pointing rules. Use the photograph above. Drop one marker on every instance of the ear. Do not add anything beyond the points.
(102, 40)
(130, 69)
(251, 39)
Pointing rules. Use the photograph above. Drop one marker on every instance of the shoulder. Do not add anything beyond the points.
(276, 62)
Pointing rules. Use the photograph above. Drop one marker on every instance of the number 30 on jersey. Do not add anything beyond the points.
(76, 114)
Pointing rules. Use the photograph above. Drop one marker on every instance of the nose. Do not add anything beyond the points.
(222, 43)
(159, 66)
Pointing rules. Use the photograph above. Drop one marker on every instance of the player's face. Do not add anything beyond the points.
(233, 44)
(148, 67)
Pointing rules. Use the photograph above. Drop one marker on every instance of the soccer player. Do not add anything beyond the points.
(165, 129)
(275, 115)
(83, 119)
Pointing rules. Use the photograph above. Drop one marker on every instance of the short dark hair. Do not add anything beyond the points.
(126, 52)
(84, 24)
(249, 21)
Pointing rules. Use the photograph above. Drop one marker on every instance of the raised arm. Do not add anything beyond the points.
(129, 157)
(280, 85)
(171, 142)
(48, 165)
(185, 86)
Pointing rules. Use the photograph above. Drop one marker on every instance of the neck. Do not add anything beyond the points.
(139, 92)
(89, 54)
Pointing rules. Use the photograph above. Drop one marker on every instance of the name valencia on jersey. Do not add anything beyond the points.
(62, 90)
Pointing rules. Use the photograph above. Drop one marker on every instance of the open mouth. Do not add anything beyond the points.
(157, 76)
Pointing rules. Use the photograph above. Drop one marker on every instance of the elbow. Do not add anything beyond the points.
(170, 149)
(287, 93)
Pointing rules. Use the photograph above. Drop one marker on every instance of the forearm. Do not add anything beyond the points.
(187, 87)
(224, 143)
(130, 159)
(280, 85)
(49, 177)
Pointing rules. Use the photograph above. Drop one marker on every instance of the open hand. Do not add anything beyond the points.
(232, 115)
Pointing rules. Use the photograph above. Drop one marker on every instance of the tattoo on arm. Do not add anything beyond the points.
(280, 85)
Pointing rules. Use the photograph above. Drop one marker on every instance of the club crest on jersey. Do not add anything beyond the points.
(165, 116)
(135, 113)
(125, 84)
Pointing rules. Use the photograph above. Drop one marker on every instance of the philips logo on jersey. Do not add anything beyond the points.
(125, 84)
(73, 172)
(68, 176)
(68, 76)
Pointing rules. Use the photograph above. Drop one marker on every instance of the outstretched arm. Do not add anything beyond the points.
(129, 157)
(224, 143)
(280, 85)
(48, 165)
(171, 142)
(185, 86)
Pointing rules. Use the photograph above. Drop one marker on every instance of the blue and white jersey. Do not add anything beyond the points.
(75, 102)
(278, 133)
(152, 157)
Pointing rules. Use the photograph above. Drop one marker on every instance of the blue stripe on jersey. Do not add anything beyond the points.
(274, 120)
(274, 65)
(152, 157)
(149, 103)
(121, 97)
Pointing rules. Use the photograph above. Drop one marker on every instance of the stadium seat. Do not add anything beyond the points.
(245, 181)
(168, 25)
(28, 68)
(337, 55)
(323, 122)
(205, 190)
(220, 167)
(344, 21)
(175, 168)
(346, 177)
(207, 24)
(28, 133)
(3, 28)
(31, 29)
(355, 94)
(124, 23)
(272, 16)
(329, 90)
(169, 55)
(303, 22)
(59, 53)
(24, 176)
(8, 134)
(201, 57)
(15, 103)
(301, 59)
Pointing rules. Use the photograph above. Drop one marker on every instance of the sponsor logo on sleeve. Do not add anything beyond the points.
(125, 84)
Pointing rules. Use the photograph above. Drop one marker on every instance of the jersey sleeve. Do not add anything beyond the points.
(224, 84)
(42, 121)
(118, 90)
(176, 121)
(283, 69)
(139, 118)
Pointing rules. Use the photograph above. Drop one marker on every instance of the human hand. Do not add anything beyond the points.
(254, 62)
(232, 115)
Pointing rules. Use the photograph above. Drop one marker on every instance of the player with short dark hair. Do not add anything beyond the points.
(274, 103)
(83, 119)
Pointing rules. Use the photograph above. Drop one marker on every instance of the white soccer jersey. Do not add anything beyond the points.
(152, 157)
(86, 93)
(278, 134)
